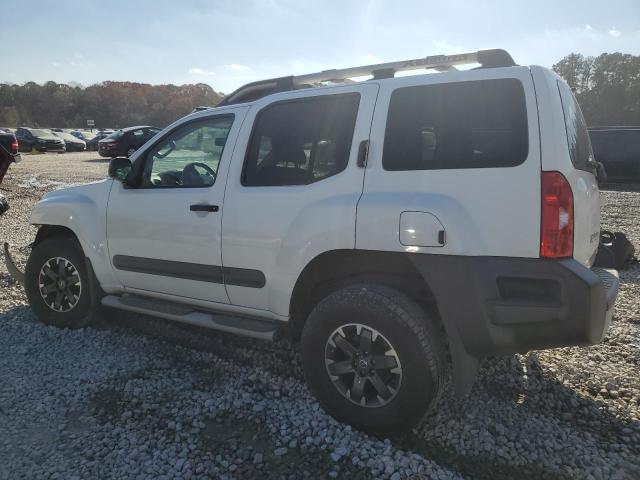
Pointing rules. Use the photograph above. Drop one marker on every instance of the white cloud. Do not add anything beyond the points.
(614, 32)
(444, 47)
(56, 64)
(237, 67)
(368, 58)
(200, 71)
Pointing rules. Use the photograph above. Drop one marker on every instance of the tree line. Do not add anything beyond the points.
(607, 88)
(109, 104)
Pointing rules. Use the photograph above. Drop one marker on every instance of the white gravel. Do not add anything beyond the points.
(120, 401)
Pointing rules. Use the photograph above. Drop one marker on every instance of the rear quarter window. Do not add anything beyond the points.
(576, 128)
(479, 124)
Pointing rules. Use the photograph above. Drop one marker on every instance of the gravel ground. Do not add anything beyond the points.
(135, 397)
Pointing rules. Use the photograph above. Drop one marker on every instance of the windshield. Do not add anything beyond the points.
(40, 133)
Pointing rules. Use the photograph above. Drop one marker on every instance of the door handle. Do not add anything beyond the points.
(363, 150)
(201, 207)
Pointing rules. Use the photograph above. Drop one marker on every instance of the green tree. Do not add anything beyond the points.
(607, 86)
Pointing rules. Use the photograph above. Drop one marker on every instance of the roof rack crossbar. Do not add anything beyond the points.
(442, 63)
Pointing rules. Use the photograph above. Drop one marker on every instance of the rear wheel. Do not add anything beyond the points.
(373, 358)
(57, 283)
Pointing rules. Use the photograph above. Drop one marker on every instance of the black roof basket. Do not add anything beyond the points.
(442, 63)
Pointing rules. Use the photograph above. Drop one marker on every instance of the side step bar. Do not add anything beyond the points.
(179, 312)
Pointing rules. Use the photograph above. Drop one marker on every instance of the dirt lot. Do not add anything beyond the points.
(137, 398)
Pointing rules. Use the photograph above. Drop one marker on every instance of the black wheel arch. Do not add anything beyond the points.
(335, 269)
(49, 231)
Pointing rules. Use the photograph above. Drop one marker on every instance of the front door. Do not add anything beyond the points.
(164, 235)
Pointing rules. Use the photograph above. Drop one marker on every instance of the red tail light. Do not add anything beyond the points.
(556, 223)
(14, 146)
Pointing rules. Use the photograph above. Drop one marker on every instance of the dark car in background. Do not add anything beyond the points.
(123, 143)
(8, 154)
(94, 138)
(72, 143)
(618, 149)
(83, 135)
(39, 139)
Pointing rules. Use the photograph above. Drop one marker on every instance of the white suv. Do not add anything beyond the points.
(401, 227)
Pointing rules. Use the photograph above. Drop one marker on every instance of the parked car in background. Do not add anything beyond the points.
(73, 143)
(8, 155)
(94, 138)
(39, 139)
(126, 141)
(618, 149)
(7, 130)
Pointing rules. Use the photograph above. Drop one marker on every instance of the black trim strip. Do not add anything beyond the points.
(241, 277)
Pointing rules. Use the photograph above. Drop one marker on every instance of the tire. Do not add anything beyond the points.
(69, 315)
(398, 321)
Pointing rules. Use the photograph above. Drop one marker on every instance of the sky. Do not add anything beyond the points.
(228, 43)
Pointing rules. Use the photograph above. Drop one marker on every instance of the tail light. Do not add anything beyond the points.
(14, 146)
(556, 223)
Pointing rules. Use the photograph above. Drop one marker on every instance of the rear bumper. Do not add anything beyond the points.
(499, 306)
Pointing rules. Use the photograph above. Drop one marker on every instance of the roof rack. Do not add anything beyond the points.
(441, 63)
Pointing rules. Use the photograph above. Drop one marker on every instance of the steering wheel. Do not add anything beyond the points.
(191, 177)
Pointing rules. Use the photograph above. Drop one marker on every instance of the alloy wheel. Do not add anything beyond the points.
(363, 365)
(59, 284)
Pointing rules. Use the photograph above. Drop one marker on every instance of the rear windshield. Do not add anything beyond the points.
(115, 135)
(577, 135)
(479, 124)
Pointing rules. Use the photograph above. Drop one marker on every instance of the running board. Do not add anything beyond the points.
(179, 312)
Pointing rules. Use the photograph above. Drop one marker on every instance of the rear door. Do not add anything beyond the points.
(293, 189)
(454, 166)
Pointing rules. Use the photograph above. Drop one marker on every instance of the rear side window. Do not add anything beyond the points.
(480, 124)
(577, 134)
(300, 142)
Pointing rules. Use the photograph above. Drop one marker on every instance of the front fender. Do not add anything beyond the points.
(82, 210)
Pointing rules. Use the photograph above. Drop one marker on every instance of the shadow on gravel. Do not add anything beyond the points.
(97, 160)
(530, 394)
(251, 448)
(283, 357)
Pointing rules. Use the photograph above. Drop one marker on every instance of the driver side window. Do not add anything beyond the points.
(189, 156)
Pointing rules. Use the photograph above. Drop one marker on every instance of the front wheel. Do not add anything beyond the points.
(374, 358)
(57, 283)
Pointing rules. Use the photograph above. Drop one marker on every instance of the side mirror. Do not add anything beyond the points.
(119, 168)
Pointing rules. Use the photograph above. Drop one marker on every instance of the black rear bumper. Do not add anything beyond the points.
(499, 305)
